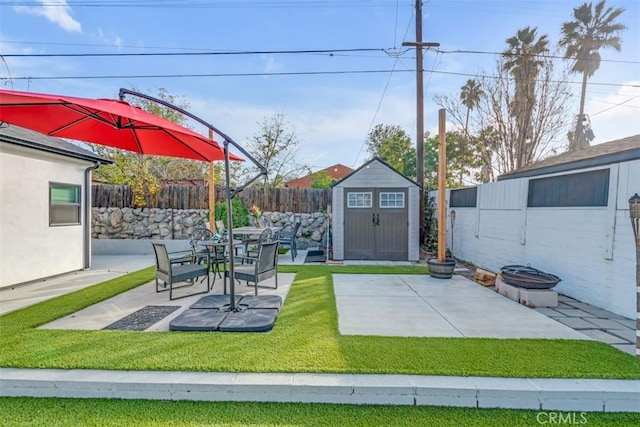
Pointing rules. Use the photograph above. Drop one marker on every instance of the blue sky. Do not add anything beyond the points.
(330, 113)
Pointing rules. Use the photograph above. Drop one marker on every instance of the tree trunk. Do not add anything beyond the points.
(583, 94)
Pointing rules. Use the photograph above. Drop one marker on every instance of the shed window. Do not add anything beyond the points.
(577, 189)
(64, 204)
(391, 200)
(359, 200)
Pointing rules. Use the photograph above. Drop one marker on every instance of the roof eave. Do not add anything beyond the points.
(42, 147)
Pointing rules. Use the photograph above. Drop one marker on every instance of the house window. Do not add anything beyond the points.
(391, 200)
(464, 197)
(577, 189)
(359, 200)
(64, 204)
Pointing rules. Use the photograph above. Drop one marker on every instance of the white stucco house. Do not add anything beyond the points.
(567, 215)
(45, 194)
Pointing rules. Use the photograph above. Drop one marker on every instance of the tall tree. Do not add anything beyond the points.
(522, 59)
(276, 146)
(591, 30)
(501, 130)
(459, 162)
(470, 95)
(391, 143)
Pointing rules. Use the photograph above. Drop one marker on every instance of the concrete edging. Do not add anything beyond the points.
(482, 392)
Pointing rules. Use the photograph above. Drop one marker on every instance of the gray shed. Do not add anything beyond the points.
(375, 215)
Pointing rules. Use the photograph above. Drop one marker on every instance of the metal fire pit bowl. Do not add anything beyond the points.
(524, 276)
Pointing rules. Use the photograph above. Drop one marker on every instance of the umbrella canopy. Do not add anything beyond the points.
(107, 122)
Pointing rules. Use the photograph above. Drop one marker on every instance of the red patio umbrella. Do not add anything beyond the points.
(109, 122)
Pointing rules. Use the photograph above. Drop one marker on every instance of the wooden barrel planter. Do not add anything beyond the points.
(441, 270)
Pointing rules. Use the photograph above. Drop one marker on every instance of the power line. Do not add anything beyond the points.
(210, 53)
(614, 106)
(201, 4)
(203, 52)
(296, 73)
(480, 52)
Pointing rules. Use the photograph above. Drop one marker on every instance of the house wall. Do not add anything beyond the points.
(590, 248)
(375, 175)
(29, 248)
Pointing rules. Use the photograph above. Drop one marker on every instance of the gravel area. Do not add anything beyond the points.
(143, 318)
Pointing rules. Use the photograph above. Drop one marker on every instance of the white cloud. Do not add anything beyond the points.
(56, 11)
(616, 114)
(109, 39)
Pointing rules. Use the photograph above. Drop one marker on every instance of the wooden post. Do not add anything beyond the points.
(212, 193)
(442, 178)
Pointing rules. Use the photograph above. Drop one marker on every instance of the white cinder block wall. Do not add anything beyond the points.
(590, 248)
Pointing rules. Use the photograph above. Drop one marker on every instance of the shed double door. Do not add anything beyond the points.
(376, 224)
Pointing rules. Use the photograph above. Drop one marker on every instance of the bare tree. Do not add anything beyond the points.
(547, 116)
(276, 147)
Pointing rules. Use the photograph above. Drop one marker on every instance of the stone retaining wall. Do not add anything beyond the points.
(164, 224)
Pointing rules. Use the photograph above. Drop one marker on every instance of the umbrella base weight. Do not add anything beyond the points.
(212, 313)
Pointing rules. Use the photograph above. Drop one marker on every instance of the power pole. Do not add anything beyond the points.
(420, 111)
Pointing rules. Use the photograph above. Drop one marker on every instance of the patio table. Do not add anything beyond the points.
(217, 251)
(251, 234)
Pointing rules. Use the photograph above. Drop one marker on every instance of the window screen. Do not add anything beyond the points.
(64, 204)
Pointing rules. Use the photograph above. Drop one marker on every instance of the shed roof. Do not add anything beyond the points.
(28, 138)
(376, 159)
(619, 150)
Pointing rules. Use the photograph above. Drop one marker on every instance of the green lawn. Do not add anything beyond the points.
(102, 412)
(305, 339)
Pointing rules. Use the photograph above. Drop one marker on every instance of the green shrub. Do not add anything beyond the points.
(239, 213)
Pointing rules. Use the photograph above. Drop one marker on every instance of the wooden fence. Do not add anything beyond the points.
(197, 197)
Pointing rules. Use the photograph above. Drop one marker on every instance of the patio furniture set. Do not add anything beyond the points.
(210, 254)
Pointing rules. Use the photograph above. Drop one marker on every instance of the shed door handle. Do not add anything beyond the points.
(377, 219)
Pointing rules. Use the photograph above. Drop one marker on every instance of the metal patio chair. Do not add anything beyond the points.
(170, 273)
(287, 239)
(265, 266)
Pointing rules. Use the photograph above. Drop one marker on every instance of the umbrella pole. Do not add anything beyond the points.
(212, 192)
(232, 288)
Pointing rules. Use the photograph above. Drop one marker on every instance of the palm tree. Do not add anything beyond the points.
(592, 30)
(522, 59)
(470, 95)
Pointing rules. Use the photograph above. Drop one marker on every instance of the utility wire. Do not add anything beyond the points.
(541, 55)
(391, 52)
(210, 53)
(614, 106)
(297, 73)
(235, 4)
(203, 52)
